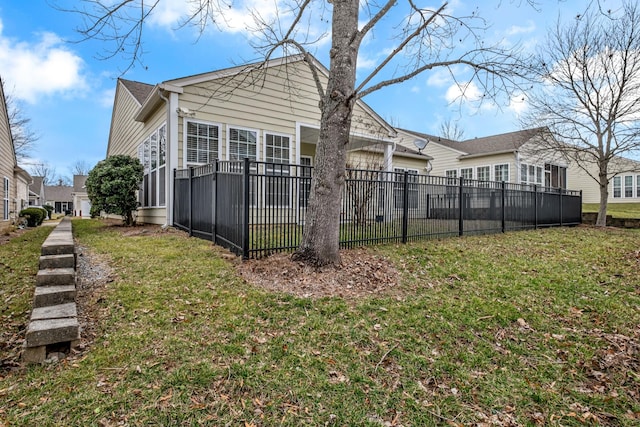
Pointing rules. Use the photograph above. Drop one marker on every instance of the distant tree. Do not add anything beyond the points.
(24, 138)
(80, 167)
(45, 170)
(589, 72)
(112, 186)
(451, 130)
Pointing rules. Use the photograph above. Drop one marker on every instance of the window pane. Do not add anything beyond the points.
(523, 174)
(617, 187)
(628, 186)
(466, 173)
(277, 149)
(242, 143)
(154, 150)
(162, 149)
(202, 142)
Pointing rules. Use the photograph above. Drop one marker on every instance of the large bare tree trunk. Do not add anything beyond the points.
(601, 221)
(320, 241)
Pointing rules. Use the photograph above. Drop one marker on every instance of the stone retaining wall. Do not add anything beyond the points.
(54, 319)
(590, 218)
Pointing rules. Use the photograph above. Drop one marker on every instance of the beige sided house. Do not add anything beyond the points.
(509, 157)
(267, 112)
(515, 157)
(36, 191)
(15, 180)
(81, 202)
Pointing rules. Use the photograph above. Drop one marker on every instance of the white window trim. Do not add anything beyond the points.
(258, 142)
(473, 172)
(483, 167)
(493, 171)
(613, 188)
(184, 139)
(6, 196)
(287, 135)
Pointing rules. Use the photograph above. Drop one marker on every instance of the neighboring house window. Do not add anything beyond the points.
(277, 152)
(412, 188)
(202, 142)
(502, 172)
(152, 155)
(5, 199)
(637, 185)
(483, 173)
(555, 176)
(451, 173)
(617, 187)
(628, 186)
(531, 174)
(466, 173)
(243, 143)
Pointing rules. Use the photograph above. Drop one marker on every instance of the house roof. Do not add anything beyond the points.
(488, 145)
(78, 183)
(36, 185)
(58, 193)
(139, 90)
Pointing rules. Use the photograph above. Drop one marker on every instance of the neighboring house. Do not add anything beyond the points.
(59, 196)
(15, 180)
(506, 157)
(516, 157)
(266, 112)
(80, 198)
(36, 192)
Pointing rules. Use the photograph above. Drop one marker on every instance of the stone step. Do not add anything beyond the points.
(57, 261)
(56, 277)
(57, 246)
(46, 296)
(59, 311)
(52, 331)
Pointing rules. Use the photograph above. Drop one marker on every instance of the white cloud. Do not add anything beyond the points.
(439, 77)
(415, 89)
(519, 29)
(518, 104)
(169, 13)
(463, 91)
(106, 97)
(42, 68)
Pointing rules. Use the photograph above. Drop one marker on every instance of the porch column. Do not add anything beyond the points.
(388, 156)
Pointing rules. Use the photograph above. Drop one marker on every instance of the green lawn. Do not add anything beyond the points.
(617, 210)
(524, 328)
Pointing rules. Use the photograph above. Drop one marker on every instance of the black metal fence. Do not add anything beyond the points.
(257, 208)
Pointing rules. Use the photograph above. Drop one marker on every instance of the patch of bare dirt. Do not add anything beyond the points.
(93, 274)
(361, 273)
(7, 236)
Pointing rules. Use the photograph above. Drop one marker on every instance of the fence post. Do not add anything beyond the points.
(245, 214)
(581, 207)
(190, 201)
(405, 207)
(561, 212)
(535, 206)
(214, 202)
(460, 209)
(502, 203)
(175, 173)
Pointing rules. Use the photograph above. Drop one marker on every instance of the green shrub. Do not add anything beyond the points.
(34, 216)
(49, 209)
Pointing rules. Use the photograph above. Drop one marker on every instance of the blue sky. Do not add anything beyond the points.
(67, 91)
